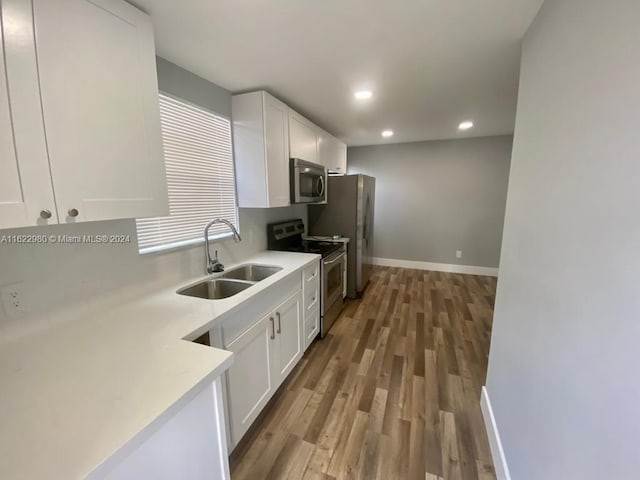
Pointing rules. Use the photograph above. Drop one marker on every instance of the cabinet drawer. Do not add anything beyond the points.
(311, 282)
(312, 273)
(311, 296)
(311, 326)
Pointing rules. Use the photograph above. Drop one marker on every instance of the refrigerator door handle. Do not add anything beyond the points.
(365, 228)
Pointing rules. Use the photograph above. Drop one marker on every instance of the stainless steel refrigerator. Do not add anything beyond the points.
(349, 212)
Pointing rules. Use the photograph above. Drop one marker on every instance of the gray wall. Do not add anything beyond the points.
(563, 369)
(57, 277)
(177, 81)
(433, 198)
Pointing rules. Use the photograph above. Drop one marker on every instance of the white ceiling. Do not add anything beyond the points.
(430, 63)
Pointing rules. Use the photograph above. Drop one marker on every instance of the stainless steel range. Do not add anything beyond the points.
(287, 236)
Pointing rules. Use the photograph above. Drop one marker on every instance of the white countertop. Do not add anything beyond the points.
(79, 397)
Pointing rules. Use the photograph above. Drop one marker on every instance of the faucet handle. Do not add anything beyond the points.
(217, 266)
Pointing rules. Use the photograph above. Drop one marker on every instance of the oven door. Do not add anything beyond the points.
(333, 269)
(308, 182)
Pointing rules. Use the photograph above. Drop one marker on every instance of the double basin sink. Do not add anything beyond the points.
(230, 283)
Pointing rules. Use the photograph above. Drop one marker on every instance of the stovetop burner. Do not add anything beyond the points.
(287, 237)
(314, 246)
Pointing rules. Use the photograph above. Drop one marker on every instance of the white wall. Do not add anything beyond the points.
(57, 277)
(563, 368)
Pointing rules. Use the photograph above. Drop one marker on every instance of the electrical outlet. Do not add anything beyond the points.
(13, 300)
(458, 253)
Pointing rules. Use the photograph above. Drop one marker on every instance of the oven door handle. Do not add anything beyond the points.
(331, 262)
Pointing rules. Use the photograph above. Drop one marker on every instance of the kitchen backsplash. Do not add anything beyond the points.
(56, 276)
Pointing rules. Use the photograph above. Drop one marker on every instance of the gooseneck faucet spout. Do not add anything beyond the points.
(213, 264)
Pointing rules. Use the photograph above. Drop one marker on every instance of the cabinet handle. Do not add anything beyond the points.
(273, 329)
(46, 214)
(279, 324)
(73, 212)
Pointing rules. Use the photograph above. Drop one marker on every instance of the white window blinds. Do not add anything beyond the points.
(200, 177)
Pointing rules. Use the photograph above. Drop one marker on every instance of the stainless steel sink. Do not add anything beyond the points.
(251, 272)
(215, 289)
(230, 283)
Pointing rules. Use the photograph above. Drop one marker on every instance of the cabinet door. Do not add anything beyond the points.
(250, 380)
(323, 145)
(311, 287)
(99, 91)
(328, 151)
(289, 332)
(303, 138)
(25, 180)
(276, 126)
(190, 445)
(334, 155)
(341, 158)
(311, 327)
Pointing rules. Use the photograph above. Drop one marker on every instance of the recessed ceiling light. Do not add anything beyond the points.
(387, 133)
(363, 94)
(465, 125)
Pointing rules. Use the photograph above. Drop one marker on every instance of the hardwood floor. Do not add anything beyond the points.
(391, 393)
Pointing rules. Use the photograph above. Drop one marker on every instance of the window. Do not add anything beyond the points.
(200, 177)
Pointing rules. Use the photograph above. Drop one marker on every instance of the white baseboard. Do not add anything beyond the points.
(497, 453)
(437, 267)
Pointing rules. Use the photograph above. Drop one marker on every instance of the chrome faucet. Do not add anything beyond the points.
(213, 264)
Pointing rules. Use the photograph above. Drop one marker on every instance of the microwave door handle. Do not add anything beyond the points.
(321, 185)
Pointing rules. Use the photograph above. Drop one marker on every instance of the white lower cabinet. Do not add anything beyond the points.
(250, 380)
(264, 355)
(311, 306)
(311, 327)
(288, 330)
(191, 444)
(267, 335)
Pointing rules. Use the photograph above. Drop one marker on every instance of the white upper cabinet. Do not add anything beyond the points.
(12, 207)
(333, 153)
(303, 138)
(266, 135)
(84, 114)
(99, 92)
(26, 194)
(340, 165)
(261, 146)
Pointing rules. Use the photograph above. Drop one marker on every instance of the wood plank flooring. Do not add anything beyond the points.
(391, 393)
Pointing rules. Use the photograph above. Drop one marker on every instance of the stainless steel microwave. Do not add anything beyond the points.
(308, 182)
